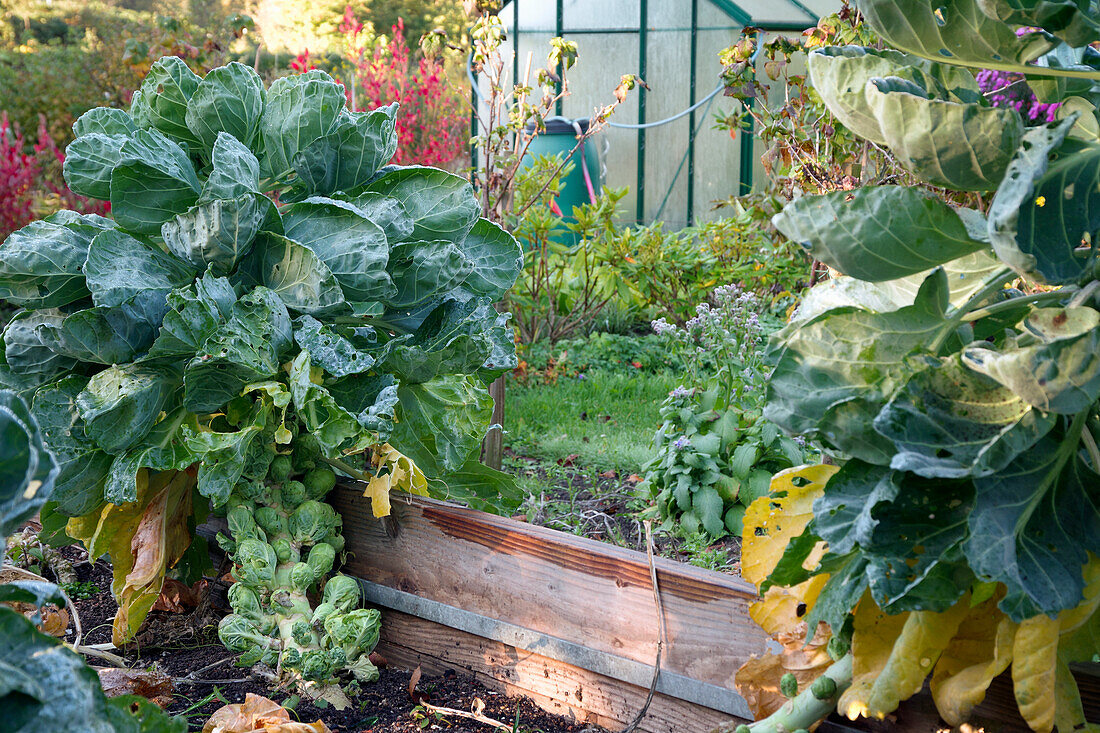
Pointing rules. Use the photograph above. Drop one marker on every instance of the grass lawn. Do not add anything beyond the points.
(606, 419)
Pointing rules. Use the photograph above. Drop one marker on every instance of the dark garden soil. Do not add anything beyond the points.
(182, 644)
(603, 506)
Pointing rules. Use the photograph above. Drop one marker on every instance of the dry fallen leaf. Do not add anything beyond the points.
(758, 679)
(175, 597)
(258, 715)
(155, 686)
(417, 696)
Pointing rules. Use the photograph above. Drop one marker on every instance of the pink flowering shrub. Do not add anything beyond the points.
(31, 183)
(431, 118)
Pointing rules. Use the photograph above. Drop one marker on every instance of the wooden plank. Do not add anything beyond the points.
(559, 688)
(569, 587)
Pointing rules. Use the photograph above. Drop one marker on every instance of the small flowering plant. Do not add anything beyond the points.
(714, 451)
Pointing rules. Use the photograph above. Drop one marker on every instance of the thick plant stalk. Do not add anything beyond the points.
(807, 708)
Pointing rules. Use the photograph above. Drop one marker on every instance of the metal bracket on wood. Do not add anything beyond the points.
(609, 665)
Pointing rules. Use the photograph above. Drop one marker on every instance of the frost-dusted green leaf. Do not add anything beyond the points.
(121, 403)
(89, 162)
(840, 75)
(877, 233)
(229, 99)
(834, 373)
(299, 109)
(153, 181)
(83, 465)
(353, 247)
(234, 170)
(301, 280)
(225, 456)
(347, 157)
(1071, 20)
(104, 121)
(86, 224)
(386, 212)
(40, 265)
(335, 428)
(245, 349)
(217, 234)
(107, 334)
(194, 314)
(1033, 525)
(496, 257)
(27, 350)
(27, 470)
(843, 514)
(442, 205)
(915, 549)
(120, 267)
(1048, 202)
(1059, 374)
(958, 32)
(161, 102)
(328, 349)
(946, 143)
(951, 422)
(372, 400)
(442, 422)
(457, 338)
(421, 270)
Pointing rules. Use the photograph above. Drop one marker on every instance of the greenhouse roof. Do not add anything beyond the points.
(779, 15)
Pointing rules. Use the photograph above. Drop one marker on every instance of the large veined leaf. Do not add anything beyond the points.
(387, 212)
(329, 350)
(161, 102)
(299, 109)
(298, 276)
(225, 456)
(27, 351)
(335, 428)
(217, 234)
(1033, 526)
(347, 157)
(104, 121)
(877, 233)
(840, 75)
(421, 270)
(353, 247)
(959, 32)
(442, 205)
(950, 422)
(843, 513)
(442, 422)
(107, 334)
(234, 170)
(496, 257)
(1035, 239)
(1059, 374)
(83, 465)
(120, 267)
(153, 181)
(40, 265)
(961, 146)
(164, 448)
(121, 403)
(1071, 20)
(834, 373)
(89, 162)
(194, 314)
(245, 349)
(27, 470)
(371, 399)
(229, 99)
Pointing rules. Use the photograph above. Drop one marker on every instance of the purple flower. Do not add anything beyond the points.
(681, 443)
(681, 392)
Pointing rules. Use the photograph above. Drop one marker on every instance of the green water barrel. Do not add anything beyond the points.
(559, 139)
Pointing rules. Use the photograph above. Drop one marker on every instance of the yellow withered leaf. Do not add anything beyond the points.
(393, 470)
(980, 650)
(774, 520)
(894, 654)
(1034, 671)
(1072, 618)
(779, 610)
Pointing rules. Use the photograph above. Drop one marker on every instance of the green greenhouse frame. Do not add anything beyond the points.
(772, 16)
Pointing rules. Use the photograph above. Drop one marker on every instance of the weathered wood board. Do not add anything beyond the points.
(569, 621)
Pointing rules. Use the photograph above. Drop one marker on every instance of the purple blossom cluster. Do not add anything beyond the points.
(1009, 89)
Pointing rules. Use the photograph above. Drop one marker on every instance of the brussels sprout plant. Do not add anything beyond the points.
(269, 301)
